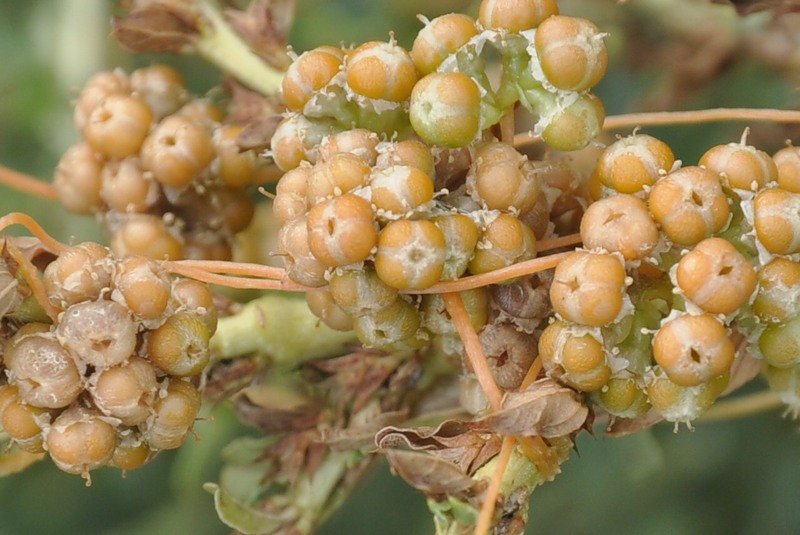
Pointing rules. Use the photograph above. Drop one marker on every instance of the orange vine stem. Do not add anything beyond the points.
(521, 269)
(236, 268)
(561, 241)
(179, 268)
(35, 283)
(472, 348)
(533, 373)
(18, 218)
(27, 183)
(487, 508)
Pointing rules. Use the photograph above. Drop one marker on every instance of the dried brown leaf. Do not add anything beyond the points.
(432, 475)
(265, 26)
(452, 441)
(155, 28)
(544, 409)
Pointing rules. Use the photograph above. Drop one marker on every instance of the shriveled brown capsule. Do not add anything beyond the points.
(509, 353)
(43, 371)
(180, 346)
(125, 391)
(143, 286)
(81, 440)
(80, 273)
(98, 333)
(175, 409)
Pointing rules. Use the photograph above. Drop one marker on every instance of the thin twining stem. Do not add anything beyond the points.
(665, 118)
(27, 184)
(32, 279)
(236, 268)
(561, 241)
(497, 276)
(179, 268)
(472, 349)
(487, 508)
(18, 218)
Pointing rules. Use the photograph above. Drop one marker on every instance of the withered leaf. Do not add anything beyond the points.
(265, 25)
(544, 409)
(154, 29)
(625, 426)
(452, 441)
(432, 475)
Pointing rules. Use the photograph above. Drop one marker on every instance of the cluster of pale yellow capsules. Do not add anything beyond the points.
(677, 263)
(112, 380)
(165, 176)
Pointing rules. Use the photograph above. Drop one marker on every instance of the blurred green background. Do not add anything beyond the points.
(724, 478)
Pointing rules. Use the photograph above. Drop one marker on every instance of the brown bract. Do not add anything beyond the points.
(156, 28)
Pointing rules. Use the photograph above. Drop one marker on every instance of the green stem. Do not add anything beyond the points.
(283, 328)
(220, 45)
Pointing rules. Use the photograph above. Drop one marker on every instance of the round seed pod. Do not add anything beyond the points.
(323, 306)
(589, 288)
(359, 141)
(381, 70)
(439, 38)
(98, 333)
(338, 174)
(342, 230)
(175, 410)
(310, 73)
(785, 382)
(396, 323)
(501, 179)
(778, 296)
(177, 151)
(23, 423)
(740, 166)
(295, 140)
(411, 254)
(461, 236)
(96, 89)
(620, 224)
(504, 242)
(131, 453)
(776, 221)
(630, 164)
(145, 235)
(787, 162)
(779, 343)
(300, 264)
(127, 187)
(194, 297)
(682, 404)
(78, 180)
(436, 319)
(291, 199)
(161, 87)
(80, 273)
(361, 292)
(179, 347)
(579, 360)
(689, 205)
(400, 189)
(80, 440)
(716, 277)
(571, 52)
(622, 397)
(142, 286)
(125, 391)
(445, 109)
(43, 371)
(575, 126)
(693, 349)
(410, 152)
(118, 125)
(235, 168)
(515, 15)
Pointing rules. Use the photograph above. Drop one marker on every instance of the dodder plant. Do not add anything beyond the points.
(426, 202)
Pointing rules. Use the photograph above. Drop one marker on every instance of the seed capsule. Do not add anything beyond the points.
(175, 412)
(620, 224)
(633, 162)
(342, 230)
(411, 254)
(787, 161)
(78, 180)
(125, 391)
(177, 151)
(80, 273)
(161, 86)
(578, 360)
(741, 166)
(118, 125)
(778, 297)
(381, 70)
(515, 15)
(439, 38)
(446, 109)
(777, 220)
(80, 440)
(571, 52)
(180, 346)
(504, 242)
(98, 333)
(142, 286)
(310, 73)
